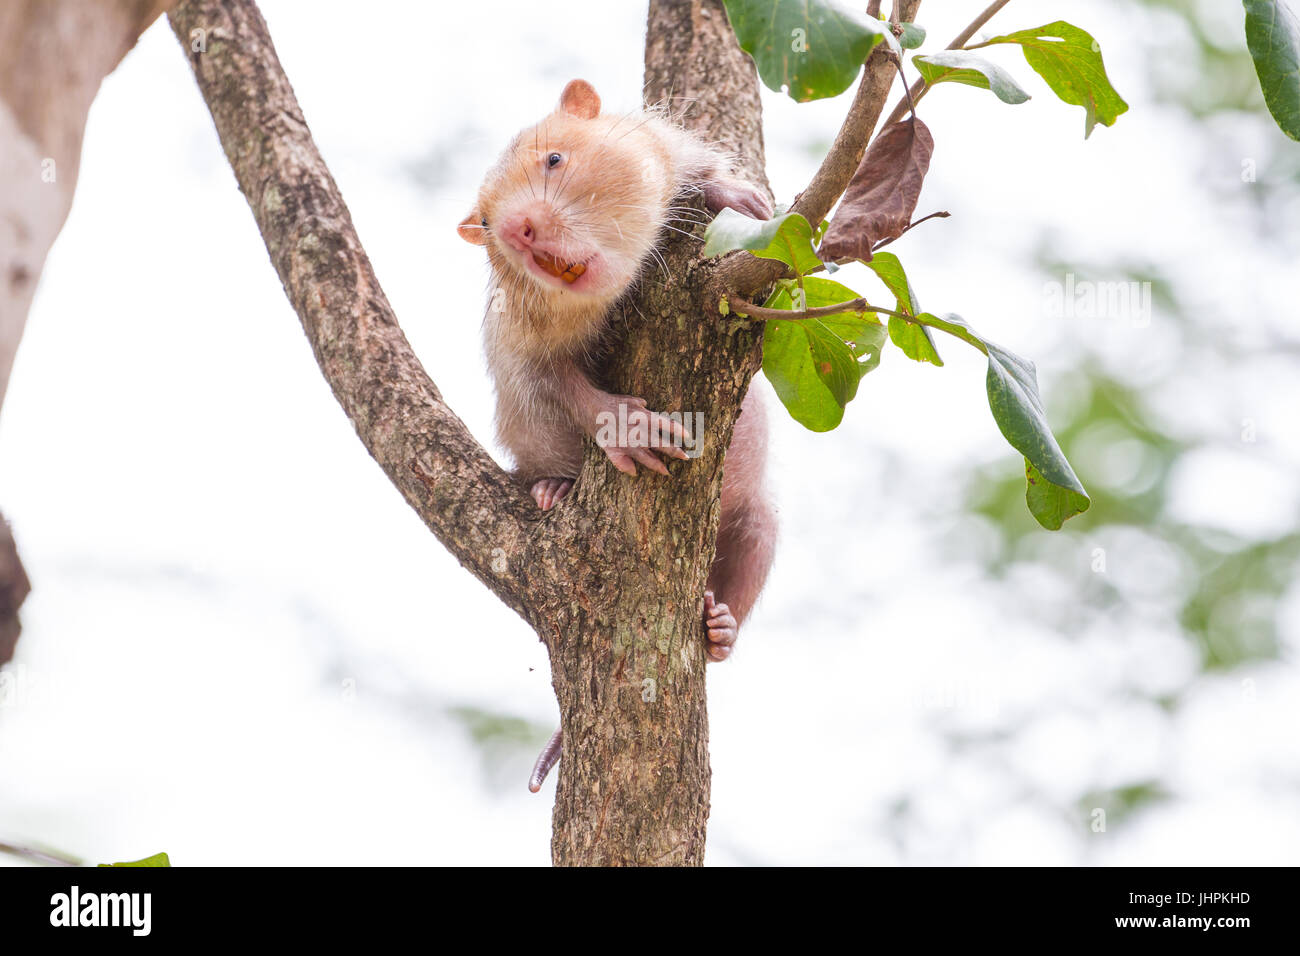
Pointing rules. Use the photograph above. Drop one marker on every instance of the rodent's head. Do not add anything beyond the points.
(575, 203)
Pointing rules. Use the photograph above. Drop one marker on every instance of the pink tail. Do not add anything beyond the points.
(547, 759)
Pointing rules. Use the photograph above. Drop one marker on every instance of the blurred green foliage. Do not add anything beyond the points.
(502, 742)
(1226, 595)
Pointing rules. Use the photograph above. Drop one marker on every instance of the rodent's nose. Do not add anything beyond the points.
(518, 231)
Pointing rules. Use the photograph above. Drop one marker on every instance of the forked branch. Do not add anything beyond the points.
(469, 503)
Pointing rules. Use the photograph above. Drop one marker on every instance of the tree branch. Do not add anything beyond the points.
(746, 274)
(14, 588)
(472, 506)
(960, 40)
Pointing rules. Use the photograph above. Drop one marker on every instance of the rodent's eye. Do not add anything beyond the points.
(484, 221)
(554, 160)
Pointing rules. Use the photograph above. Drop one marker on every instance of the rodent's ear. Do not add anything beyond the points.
(471, 228)
(579, 99)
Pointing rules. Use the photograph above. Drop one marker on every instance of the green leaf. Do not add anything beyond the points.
(805, 373)
(787, 238)
(890, 270)
(913, 36)
(1069, 59)
(809, 48)
(815, 365)
(961, 66)
(1054, 492)
(865, 338)
(955, 325)
(1273, 35)
(913, 339)
(158, 859)
(1050, 503)
(862, 332)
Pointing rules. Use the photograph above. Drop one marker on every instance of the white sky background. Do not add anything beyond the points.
(213, 553)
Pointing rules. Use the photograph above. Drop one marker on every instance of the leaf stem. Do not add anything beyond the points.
(952, 328)
(911, 100)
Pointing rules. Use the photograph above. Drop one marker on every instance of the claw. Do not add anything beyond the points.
(648, 458)
(621, 460)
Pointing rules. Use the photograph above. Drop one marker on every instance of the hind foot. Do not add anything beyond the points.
(549, 492)
(722, 627)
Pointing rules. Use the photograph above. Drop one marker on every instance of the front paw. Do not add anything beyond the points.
(739, 195)
(630, 433)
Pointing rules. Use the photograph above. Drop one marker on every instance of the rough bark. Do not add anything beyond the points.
(629, 673)
(53, 56)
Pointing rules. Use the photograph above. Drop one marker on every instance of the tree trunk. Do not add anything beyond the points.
(627, 648)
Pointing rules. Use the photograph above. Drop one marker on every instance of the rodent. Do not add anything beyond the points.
(569, 216)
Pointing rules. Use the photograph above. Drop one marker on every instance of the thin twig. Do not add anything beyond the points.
(934, 215)
(853, 306)
(960, 40)
(48, 857)
(920, 87)
(857, 307)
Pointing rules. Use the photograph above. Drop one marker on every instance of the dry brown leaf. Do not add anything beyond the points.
(882, 194)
